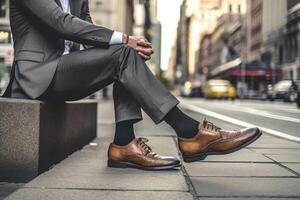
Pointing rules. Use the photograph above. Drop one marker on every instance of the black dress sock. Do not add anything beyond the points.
(184, 126)
(124, 133)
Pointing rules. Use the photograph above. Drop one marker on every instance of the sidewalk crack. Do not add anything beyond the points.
(189, 182)
(283, 166)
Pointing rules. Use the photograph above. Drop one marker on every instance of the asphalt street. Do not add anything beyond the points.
(279, 117)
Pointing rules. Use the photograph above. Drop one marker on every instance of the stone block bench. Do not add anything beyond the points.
(35, 135)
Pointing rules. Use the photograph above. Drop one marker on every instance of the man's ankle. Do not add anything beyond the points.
(184, 125)
(124, 133)
(123, 142)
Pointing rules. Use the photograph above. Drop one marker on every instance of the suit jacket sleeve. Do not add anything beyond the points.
(67, 25)
(89, 19)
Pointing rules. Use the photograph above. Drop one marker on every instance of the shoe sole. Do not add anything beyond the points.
(202, 156)
(120, 164)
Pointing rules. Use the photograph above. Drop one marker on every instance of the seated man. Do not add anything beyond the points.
(49, 66)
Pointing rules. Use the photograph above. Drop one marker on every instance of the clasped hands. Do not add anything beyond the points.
(141, 45)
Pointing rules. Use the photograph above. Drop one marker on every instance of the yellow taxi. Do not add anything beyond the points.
(219, 89)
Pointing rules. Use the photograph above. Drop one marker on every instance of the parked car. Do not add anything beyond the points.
(284, 90)
(191, 89)
(220, 89)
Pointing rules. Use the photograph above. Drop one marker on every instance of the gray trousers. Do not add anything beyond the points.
(81, 73)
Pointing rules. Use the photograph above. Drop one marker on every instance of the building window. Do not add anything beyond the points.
(230, 8)
(98, 3)
(239, 8)
(280, 54)
(3, 8)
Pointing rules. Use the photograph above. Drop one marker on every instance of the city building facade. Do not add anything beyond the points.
(281, 47)
(225, 41)
(114, 14)
(147, 25)
(196, 18)
(252, 43)
(181, 66)
(265, 17)
(289, 54)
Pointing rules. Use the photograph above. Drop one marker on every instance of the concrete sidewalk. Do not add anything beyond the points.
(268, 169)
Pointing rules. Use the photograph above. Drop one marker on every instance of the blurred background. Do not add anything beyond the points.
(252, 44)
(221, 49)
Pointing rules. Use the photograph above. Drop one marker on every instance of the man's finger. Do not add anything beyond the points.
(143, 38)
(144, 56)
(146, 51)
(145, 44)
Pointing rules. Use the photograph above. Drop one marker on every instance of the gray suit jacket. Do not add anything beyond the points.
(39, 28)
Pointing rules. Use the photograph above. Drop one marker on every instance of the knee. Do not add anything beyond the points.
(129, 49)
(128, 53)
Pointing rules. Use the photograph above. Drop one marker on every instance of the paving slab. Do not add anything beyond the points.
(285, 157)
(247, 198)
(244, 155)
(106, 111)
(268, 141)
(236, 169)
(105, 131)
(55, 194)
(292, 166)
(88, 169)
(277, 151)
(246, 187)
(8, 188)
(163, 145)
(112, 179)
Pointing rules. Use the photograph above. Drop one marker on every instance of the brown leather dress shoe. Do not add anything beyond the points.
(138, 154)
(212, 140)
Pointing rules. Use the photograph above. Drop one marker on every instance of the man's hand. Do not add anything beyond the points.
(141, 45)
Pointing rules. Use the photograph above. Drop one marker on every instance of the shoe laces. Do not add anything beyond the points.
(210, 126)
(142, 143)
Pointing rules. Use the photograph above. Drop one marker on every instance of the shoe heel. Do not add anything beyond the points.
(116, 164)
(194, 158)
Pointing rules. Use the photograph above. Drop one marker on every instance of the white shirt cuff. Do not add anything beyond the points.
(116, 38)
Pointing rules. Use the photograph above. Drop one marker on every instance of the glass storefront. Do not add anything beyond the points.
(5, 37)
(6, 53)
(3, 8)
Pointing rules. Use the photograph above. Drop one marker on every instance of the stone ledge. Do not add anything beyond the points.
(34, 135)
